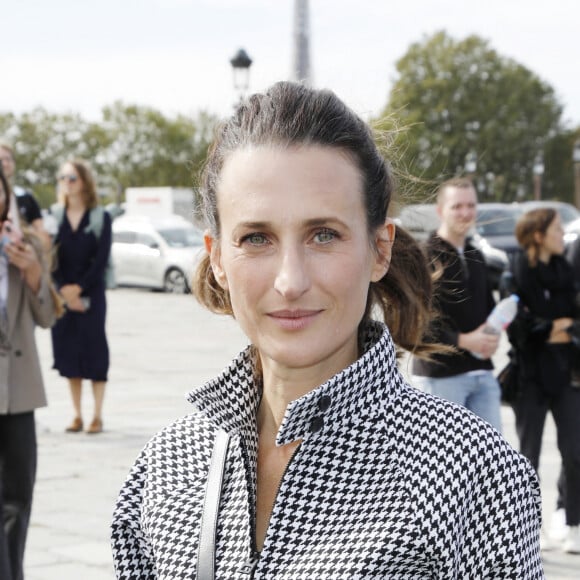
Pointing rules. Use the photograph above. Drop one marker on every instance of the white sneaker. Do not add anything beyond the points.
(572, 540)
(546, 543)
(558, 528)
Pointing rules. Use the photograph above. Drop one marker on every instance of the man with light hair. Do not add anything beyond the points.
(463, 300)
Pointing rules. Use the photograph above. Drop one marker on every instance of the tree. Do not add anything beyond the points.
(558, 179)
(131, 146)
(460, 98)
(148, 149)
(42, 140)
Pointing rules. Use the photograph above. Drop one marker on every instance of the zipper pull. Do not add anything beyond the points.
(248, 569)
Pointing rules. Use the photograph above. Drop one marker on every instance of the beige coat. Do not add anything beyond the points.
(21, 385)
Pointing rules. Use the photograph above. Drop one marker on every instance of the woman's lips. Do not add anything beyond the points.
(293, 319)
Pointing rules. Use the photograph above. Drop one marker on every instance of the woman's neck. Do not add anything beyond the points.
(75, 203)
(277, 393)
(544, 256)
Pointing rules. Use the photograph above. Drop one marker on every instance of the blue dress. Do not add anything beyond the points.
(79, 342)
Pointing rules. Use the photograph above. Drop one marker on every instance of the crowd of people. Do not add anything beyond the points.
(305, 456)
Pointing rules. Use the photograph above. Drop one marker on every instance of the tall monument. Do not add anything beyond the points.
(301, 64)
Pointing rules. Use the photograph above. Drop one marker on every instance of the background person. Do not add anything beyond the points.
(463, 300)
(25, 301)
(79, 341)
(336, 468)
(29, 210)
(539, 334)
(573, 257)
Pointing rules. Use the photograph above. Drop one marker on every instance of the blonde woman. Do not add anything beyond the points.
(79, 341)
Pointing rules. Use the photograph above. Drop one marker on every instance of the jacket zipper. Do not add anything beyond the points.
(249, 568)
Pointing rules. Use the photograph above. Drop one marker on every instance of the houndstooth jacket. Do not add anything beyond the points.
(388, 482)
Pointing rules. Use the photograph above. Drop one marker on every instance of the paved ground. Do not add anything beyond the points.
(162, 346)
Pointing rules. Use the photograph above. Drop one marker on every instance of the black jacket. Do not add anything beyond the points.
(546, 292)
(28, 207)
(463, 300)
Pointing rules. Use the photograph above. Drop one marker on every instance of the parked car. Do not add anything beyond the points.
(496, 223)
(156, 253)
(568, 212)
(421, 219)
(572, 231)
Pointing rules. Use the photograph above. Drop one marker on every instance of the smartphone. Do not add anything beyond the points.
(9, 235)
(86, 302)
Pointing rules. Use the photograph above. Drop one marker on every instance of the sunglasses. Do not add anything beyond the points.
(69, 178)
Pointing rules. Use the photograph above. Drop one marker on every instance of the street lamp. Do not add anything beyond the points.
(576, 159)
(538, 172)
(241, 63)
(471, 164)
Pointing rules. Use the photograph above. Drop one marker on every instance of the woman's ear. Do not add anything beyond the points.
(539, 238)
(213, 249)
(384, 239)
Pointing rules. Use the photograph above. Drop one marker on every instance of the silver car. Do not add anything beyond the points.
(156, 253)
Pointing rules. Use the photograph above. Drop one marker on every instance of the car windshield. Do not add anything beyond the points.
(181, 237)
(568, 214)
(496, 222)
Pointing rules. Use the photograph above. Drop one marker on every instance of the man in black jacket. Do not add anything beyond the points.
(463, 300)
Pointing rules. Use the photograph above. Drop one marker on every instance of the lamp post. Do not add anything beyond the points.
(576, 159)
(538, 172)
(241, 63)
(471, 164)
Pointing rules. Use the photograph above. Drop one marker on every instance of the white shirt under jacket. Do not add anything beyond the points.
(388, 482)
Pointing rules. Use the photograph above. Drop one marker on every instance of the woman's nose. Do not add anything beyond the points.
(292, 278)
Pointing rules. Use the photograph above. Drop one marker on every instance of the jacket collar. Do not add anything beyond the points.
(231, 400)
(439, 243)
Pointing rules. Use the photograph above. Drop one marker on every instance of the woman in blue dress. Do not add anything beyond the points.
(82, 251)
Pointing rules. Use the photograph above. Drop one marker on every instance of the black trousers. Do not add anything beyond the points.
(531, 409)
(17, 475)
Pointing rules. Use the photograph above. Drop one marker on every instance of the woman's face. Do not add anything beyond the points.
(552, 242)
(294, 253)
(69, 181)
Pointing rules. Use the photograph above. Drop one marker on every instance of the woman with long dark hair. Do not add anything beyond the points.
(309, 456)
(26, 301)
(543, 348)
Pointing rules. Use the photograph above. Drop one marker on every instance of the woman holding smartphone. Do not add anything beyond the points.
(25, 302)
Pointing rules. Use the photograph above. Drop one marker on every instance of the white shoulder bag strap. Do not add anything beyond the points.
(213, 491)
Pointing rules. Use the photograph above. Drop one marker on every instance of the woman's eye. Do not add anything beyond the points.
(255, 239)
(325, 236)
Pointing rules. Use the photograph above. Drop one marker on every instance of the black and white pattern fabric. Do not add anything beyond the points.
(388, 482)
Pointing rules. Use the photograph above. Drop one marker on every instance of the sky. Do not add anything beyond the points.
(174, 55)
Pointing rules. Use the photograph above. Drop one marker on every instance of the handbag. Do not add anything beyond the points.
(508, 379)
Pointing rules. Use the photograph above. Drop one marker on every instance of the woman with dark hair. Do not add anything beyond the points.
(82, 250)
(25, 302)
(309, 456)
(542, 343)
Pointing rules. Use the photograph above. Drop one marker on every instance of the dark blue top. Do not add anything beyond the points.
(79, 342)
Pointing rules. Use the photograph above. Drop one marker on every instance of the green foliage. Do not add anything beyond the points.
(131, 146)
(453, 98)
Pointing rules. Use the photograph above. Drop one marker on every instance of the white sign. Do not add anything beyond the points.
(149, 201)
